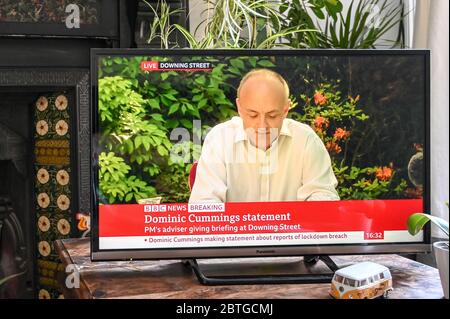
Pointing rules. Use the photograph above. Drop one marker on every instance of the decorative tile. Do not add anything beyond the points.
(50, 152)
(53, 189)
(43, 223)
(44, 294)
(61, 102)
(61, 127)
(42, 176)
(62, 177)
(42, 103)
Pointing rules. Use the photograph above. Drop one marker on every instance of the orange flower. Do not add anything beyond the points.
(320, 121)
(384, 173)
(333, 147)
(341, 134)
(319, 98)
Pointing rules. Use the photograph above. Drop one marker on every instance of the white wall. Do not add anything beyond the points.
(388, 37)
(431, 31)
(196, 16)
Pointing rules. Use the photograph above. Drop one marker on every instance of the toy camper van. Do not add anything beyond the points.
(366, 280)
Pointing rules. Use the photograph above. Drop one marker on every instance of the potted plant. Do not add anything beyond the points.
(415, 224)
(8, 278)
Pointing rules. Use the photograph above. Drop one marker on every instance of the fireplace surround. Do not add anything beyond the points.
(20, 162)
(41, 60)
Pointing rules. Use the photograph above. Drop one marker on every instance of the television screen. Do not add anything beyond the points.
(222, 153)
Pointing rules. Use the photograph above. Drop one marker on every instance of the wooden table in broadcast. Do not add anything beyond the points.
(172, 279)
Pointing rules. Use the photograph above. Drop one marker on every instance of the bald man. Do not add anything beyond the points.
(261, 156)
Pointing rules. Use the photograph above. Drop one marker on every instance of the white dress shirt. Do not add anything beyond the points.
(296, 167)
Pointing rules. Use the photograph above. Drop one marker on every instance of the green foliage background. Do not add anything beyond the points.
(138, 110)
(137, 113)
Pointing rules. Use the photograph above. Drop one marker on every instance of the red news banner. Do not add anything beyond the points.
(253, 224)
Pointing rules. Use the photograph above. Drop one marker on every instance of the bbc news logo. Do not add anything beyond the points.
(155, 208)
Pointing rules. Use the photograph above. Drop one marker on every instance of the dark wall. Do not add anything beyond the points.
(45, 45)
(16, 177)
(48, 52)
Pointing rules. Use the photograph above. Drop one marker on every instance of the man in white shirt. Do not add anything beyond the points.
(261, 156)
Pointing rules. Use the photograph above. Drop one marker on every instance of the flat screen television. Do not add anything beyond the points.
(251, 153)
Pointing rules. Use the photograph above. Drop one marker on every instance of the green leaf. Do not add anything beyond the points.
(197, 97)
(234, 70)
(186, 123)
(146, 142)
(129, 146)
(200, 80)
(157, 117)
(237, 63)
(165, 86)
(318, 12)
(156, 139)
(223, 112)
(128, 197)
(174, 108)
(154, 104)
(252, 61)
(333, 7)
(165, 100)
(418, 220)
(167, 144)
(266, 63)
(172, 123)
(195, 113)
(137, 141)
(162, 150)
(332, 2)
(202, 103)
(189, 106)
(7, 278)
(170, 97)
(164, 75)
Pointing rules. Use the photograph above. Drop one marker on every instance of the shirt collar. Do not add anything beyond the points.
(241, 135)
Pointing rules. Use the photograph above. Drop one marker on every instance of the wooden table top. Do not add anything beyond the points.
(172, 279)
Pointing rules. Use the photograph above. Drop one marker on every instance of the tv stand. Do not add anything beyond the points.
(324, 258)
(274, 270)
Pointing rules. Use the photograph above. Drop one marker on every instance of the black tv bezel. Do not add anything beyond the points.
(255, 251)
